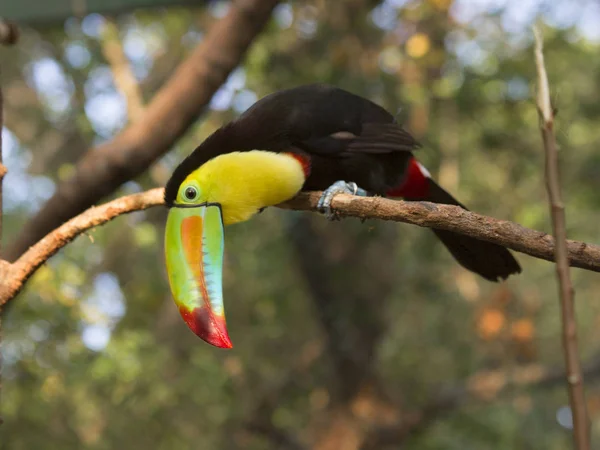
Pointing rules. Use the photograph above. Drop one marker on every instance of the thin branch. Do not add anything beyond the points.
(581, 424)
(453, 218)
(424, 214)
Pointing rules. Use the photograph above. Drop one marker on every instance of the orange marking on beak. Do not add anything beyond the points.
(191, 236)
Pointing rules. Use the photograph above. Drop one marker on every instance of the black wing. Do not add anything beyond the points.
(373, 138)
(326, 120)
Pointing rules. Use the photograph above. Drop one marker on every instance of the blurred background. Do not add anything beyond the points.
(346, 335)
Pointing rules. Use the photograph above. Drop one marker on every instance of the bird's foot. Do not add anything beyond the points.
(339, 187)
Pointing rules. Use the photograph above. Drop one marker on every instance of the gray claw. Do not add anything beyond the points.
(339, 187)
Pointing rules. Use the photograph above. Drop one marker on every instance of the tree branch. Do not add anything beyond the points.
(174, 108)
(16, 274)
(581, 424)
(453, 218)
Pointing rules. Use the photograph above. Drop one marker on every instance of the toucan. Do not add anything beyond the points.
(312, 137)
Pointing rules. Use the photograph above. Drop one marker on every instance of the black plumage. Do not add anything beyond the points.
(346, 137)
(311, 119)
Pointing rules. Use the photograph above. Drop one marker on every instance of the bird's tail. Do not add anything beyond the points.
(491, 261)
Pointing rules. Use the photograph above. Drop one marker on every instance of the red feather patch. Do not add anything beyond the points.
(304, 161)
(415, 183)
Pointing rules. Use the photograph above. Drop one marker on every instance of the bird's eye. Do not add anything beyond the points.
(191, 193)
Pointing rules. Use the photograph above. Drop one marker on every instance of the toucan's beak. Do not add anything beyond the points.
(194, 244)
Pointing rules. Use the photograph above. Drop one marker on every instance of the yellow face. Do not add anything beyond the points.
(243, 182)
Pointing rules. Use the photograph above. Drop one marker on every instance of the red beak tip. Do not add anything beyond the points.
(225, 343)
(207, 326)
(215, 338)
